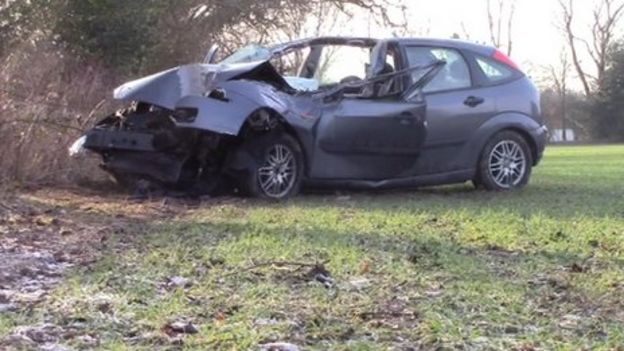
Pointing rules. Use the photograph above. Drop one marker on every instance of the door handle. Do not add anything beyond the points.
(473, 101)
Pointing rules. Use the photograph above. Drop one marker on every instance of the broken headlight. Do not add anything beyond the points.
(219, 94)
(185, 115)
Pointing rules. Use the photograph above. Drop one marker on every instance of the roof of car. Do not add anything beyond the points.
(452, 43)
(369, 42)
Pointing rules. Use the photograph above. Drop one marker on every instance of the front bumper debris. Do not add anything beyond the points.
(119, 140)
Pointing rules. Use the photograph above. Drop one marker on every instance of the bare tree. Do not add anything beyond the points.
(558, 76)
(465, 32)
(234, 23)
(606, 16)
(500, 22)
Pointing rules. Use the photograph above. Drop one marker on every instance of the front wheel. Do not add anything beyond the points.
(278, 168)
(506, 163)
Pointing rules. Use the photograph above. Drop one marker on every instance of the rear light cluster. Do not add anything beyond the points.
(502, 58)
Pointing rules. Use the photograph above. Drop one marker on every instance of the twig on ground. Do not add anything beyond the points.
(36, 121)
(279, 264)
(386, 314)
(7, 207)
(94, 110)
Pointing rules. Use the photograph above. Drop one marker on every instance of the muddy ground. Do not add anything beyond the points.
(45, 232)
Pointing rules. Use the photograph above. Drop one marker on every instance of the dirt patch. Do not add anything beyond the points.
(43, 233)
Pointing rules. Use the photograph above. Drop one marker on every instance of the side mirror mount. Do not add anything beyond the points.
(419, 96)
(211, 55)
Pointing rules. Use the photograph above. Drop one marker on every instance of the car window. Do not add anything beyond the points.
(494, 71)
(290, 63)
(289, 66)
(338, 63)
(249, 53)
(454, 75)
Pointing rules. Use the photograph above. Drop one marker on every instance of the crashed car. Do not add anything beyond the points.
(328, 112)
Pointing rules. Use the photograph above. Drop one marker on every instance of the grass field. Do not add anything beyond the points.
(444, 268)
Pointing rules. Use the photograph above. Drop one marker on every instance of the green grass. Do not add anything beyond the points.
(446, 267)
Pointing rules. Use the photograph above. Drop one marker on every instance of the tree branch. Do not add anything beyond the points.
(567, 13)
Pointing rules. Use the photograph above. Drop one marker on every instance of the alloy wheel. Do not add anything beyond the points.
(507, 164)
(278, 174)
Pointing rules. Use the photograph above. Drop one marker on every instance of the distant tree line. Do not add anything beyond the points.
(608, 103)
(595, 117)
(596, 56)
(143, 35)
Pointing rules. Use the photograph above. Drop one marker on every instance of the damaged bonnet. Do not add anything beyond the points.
(167, 88)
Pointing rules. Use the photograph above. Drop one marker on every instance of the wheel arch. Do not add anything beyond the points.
(529, 139)
(516, 122)
(247, 130)
(523, 133)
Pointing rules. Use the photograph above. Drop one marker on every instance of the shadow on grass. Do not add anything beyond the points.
(562, 201)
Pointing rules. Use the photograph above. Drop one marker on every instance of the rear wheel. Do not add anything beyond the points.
(505, 164)
(277, 169)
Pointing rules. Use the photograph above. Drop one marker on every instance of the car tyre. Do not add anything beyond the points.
(277, 168)
(505, 164)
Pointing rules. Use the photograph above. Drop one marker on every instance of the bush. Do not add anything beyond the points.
(609, 102)
(46, 101)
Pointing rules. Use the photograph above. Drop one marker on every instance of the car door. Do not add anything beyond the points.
(373, 127)
(368, 139)
(370, 136)
(456, 107)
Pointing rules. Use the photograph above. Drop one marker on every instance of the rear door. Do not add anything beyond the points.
(456, 106)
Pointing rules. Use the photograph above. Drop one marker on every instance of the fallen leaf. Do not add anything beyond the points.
(220, 316)
(512, 329)
(365, 267)
(321, 275)
(61, 257)
(434, 293)
(105, 307)
(53, 347)
(577, 268)
(179, 282)
(569, 321)
(181, 328)
(359, 284)
(279, 346)
(265, 321)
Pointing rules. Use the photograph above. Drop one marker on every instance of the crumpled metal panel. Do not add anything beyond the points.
(166, 88)
(227, 117)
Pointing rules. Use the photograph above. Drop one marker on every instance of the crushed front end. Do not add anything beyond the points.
(143, 142)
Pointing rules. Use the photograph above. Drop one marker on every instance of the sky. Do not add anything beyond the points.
(537, 40)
